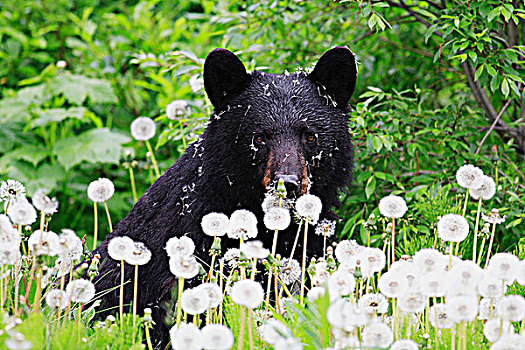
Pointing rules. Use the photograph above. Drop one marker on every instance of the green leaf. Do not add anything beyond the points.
(478, 72)
(56, 115)
(491, 70)
(473, 55)
(505, 87)
(93, 146)
(76, 88)
(370, 186)
(30, 153)
(376, 143)
(372, 21)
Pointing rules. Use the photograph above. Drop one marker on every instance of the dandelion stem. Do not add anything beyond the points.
(465, 205)
(480, 255)
(121, 295)
(17, 287)
(148, 340)
(133, 186)
(240, 341)
(211, 266)
(450, 249)
(135, 285)
(490, 244)
(153, 160)
(95, 229)
(296, 240)
(38, 292)
(270, 273)
(303, 267)
(250, 329)
(179, 306)
(474, 249)
(109, 217)
(393, 240)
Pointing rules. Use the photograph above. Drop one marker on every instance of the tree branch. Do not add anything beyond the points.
(402, 5)
(492, 126)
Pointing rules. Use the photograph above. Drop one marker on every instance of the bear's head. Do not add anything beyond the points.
(292, 126)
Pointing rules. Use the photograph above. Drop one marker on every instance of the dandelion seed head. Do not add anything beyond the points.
(289, 271)
(277, 219)
(215, 224)
(273, 330)
(433, 284)
(11, 190)
(184, 266)
(491, 287)
(346, 249)
(70, 245)
(288, 344)
(57, 299)
(217, 337)
(377, 334)
(504, 266)
(452, 228)
(43, 203)
(494, 217)
(462, 308)
(119, 248)
(404, 344)
(22, 212)
(140, 255)
(486, 190)
(373, 303)
(309, 207)
(340, 283)
(177, 109)
(393, 284)
(375, 259)
(511, 308)
(466, 273)
(430, 260)
(100, 190)
(243, 225)
(488, 308)
(9, 236)
(247, 293)
(214, 293)
(195, 301)
(186, 336)
(180, 246)
(469, 176)
(81, 291)
(392, 206)
(143, 128)
(254, 250)
(439, 318)
(325, 228)
(44, 243)
(315, 293)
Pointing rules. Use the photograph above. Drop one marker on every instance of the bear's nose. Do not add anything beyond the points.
(291, 182)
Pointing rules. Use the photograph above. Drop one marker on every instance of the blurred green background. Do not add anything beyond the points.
(433, 78)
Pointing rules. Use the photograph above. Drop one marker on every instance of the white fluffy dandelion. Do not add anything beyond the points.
(213, 291)
(81, 291)
(373, 303)
(100, 190)
(12, 190)
(288, 344)
(309, 206)
(119, 248)
(186, 336)
(216, 337)
(325, 228)
(177, 109)
(439, 318)
(520, 273)
(511, 308)
(315, 293)
(488, 308)
(375, 258)
(289, 271)
(462, 308)
(430, 260)
(452, 228)
(57, 299)
(247, 293)
(504, 266)
(44, 243)
(491, 287)
(404, 344)
(22, 212)
(70, 245)
(140, 255)
(377, 334)
(273, 330)
(466, 273)
(277, 219)
(486, 189)
(184, 266)
(254, 250)
(412, 301)
(215, 224)
(494, 329)
(433, 284)
(194, 301)
(143, 128)
(243, 225)
(346, 249)
(469, 176)
(8, 234)
(340, 283)
(180, 246)
(392, 206)
(393, 284)
(43, 203)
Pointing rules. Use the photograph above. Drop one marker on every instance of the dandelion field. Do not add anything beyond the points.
(97, 99)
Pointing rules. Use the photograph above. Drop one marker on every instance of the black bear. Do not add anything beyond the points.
(265, 127)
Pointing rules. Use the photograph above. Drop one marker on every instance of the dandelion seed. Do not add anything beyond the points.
(345, 315)
(100, 190)
(412, 302)
(340, 283)
(377, 334)
(44, 243)
(325, 228)
(12, 190)
(9, 236)
(466, 273)
(491, 287)
(315, 293)
(346, 249)
(176, 109)
(277, 219)
(22, 212)
(214, 293)
(272, 201)
(81, 291)
(511, 308)
(288, 344)
(469, 176)
(452, 228)
(494, 217)
(486, 190)
(321, 273)
(488, 308)
(57, 299)
(180, 246)
(243, 225)
(439, 318)
(462, 308)
(309, 207)
(373, 303)
(194, 301)
(18, 342)
(494, 329)
(375, 259)
(433, 284)
(140, 255)
(120, 248)
(273, 330)
(504, 266)
(393, 284)
(429, 260)
(254, 250)
(215, 224)
(184, 266)
(70, 245)
(404, 344)
(290, 271)
(217, 337)
(231, 257)
(43, 203)
(247, 293)
(143, 128)
(392, 206)
(9, 255)
(186, 336)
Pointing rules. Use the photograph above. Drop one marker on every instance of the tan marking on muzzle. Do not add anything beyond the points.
(304, 180)
(267, 173)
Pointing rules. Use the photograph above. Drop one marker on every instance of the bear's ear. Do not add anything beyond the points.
(224, 76)
(336, 71)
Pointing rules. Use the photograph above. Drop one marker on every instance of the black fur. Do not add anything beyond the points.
(224, 169)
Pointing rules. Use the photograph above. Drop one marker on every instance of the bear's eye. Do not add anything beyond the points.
(259, 139)
(310, 137)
